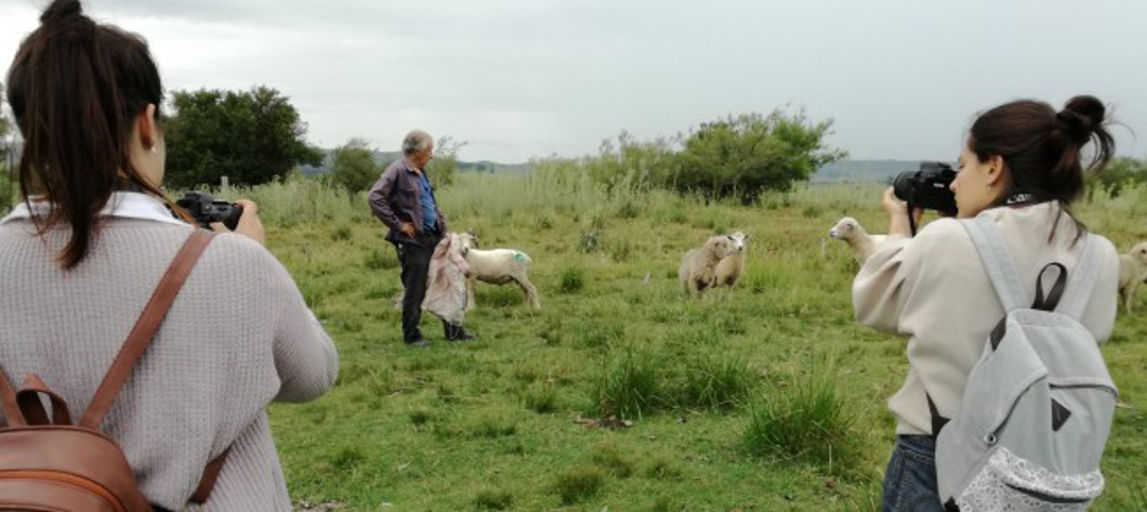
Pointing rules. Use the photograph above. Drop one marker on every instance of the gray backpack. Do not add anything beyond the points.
(1038, 405)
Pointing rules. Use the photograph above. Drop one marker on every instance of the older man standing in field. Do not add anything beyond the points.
(403, 199)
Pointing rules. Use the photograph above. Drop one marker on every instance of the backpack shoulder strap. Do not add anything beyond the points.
(998, 262)
(1079, 289)
(145, 326)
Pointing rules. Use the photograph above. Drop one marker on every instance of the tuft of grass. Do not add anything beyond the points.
(347, 458)
(493, 426)
(493, 499)
(341, 233)
(620, 249)
(589, 241)
(629, 384)
(420, 416)
(662, 467)
(579, 483)
(378, 259)
(715, 381)
(609, 457)
(808, 420)
(571, 280)
(541, 399)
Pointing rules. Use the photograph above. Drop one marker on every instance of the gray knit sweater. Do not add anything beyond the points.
(237, 337)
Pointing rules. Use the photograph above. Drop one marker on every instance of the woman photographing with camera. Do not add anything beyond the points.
(82, 257)
(1019, 172)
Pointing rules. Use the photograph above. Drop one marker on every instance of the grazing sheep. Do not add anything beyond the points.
(498, 266)
(852, 233)
(731, 267)
(1132, 271)
(698, 267)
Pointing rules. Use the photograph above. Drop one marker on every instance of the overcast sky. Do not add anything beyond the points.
(901, 78)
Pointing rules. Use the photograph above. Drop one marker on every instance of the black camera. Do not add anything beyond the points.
(207, 210)
(927, 188)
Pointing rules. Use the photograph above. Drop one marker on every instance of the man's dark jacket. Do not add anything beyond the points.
(395, 200)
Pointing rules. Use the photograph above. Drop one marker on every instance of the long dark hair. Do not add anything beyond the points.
(1042, 149)
(76, 87)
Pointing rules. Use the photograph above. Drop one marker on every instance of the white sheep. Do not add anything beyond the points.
(699, 266)
(731, 267)
(498, 266)
(1132, 271)
(851, 232)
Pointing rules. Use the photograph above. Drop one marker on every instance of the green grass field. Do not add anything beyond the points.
(769, 399)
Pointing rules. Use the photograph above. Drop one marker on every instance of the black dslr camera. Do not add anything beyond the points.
(927, 188)
(207, 210)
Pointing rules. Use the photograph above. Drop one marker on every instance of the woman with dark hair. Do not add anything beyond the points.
(1021, 168)
(83, 253)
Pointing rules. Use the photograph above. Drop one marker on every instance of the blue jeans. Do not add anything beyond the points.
(910, 480)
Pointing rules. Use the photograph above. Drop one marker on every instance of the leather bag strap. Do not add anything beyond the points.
(210, 474)
(145, 327)
(12, 413)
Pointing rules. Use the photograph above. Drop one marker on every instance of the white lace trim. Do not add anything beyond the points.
(995, 487)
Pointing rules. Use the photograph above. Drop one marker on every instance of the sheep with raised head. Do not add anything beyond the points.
(699, 266)
(851, 232)
(498, 266)
(731, 267)
(1132, 271)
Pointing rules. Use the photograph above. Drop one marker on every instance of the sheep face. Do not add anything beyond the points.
(1139, 252)
(721, 246)
(468, 241)
(844, 229)
(739, 240)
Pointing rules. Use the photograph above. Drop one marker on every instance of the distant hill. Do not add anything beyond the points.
(863, 170)
(386, 157)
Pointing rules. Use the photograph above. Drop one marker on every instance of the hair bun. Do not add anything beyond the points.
(1081, 116)
(60, 11)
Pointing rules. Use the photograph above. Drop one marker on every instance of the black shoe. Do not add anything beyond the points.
(418, 343)
(462, 335)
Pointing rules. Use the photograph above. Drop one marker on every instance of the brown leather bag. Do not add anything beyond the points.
(48, 464)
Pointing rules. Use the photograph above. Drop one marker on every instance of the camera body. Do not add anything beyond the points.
(927, 188)
(207, 210)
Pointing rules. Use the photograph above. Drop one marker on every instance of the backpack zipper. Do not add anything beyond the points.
(67, 479)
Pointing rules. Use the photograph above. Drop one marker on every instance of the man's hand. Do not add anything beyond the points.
(407, 229)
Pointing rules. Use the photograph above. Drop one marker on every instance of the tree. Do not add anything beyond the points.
(251, 137)
(445, 163)
(745, 155)
(1121, 173)
(353, 167)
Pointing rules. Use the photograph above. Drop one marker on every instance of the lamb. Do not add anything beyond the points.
(498, 266)
(1132, 271)
(852, 233)
(731, 267)
(699, 266)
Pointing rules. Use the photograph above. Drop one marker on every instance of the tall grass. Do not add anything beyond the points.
(807, 419)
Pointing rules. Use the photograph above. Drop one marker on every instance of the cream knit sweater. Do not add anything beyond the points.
(934, 290)
(237, 337)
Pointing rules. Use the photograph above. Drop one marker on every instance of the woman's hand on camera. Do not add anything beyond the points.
(249, 223)
(898, 214)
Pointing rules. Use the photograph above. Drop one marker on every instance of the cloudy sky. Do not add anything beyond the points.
(520, 78)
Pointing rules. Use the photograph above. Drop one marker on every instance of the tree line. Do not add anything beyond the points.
(257, 135)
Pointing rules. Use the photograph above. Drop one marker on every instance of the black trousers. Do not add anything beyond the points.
(415, 261)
